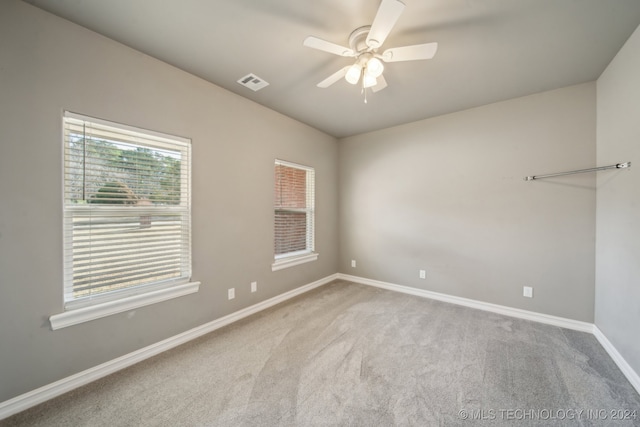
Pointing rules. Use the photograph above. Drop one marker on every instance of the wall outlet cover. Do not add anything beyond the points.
(527, 292)
(254, 286)
(231, 293)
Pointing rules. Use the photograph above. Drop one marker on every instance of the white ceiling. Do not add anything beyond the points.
(489, 50)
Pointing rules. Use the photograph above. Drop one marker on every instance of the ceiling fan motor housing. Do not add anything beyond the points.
(358, 39)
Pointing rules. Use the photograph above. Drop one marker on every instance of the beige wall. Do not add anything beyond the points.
(447, 195)
(617, 311)
(48, 65)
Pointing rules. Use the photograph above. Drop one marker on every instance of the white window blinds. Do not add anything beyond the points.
(126, 210)
(294, 209)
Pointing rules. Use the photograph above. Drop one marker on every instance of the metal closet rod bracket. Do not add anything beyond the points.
(601, 168)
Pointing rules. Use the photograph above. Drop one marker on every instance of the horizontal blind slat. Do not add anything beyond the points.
(167, 258)
(116, 273)
(125, 281)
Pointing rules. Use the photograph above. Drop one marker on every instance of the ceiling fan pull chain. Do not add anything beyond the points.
(363, 91)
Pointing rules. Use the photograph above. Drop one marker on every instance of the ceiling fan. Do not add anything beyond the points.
(364, 43)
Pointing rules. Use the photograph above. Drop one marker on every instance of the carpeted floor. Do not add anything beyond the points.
(348, 354)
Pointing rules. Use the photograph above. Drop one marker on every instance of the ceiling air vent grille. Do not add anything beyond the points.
(253, 82)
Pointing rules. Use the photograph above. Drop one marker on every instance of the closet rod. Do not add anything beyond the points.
(601, 168)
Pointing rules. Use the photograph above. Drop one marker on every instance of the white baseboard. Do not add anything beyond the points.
(49, 391)
(480, 305)
(627, 370)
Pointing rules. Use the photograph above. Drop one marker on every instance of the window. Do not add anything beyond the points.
(294, 196)
(127, 212)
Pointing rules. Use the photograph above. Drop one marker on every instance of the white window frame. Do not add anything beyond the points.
(290, 259)
(78, 310)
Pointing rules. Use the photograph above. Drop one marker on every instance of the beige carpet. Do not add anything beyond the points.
(348, 354)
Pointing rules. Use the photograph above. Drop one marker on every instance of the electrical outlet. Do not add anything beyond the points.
(231, 293)
(353, 263)
(254, 286)
(527, 292)
(423, 274)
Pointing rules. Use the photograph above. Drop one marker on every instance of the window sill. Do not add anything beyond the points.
(283, 263)
(85, 314)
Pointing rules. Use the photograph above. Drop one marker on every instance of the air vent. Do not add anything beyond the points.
(253, 82)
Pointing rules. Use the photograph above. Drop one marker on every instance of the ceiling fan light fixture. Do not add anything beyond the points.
(375, 67)
(368, 81)
(353, 74)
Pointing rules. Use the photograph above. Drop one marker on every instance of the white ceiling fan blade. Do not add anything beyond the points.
(388, 13)
(410, 53)
(381, 84)
(334, 77)
(336, 49)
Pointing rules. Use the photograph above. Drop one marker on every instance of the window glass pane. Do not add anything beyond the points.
(294, 209)
(113, 252)
(290, 189)
(291, 232)
(127, 213)
(109, 171)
